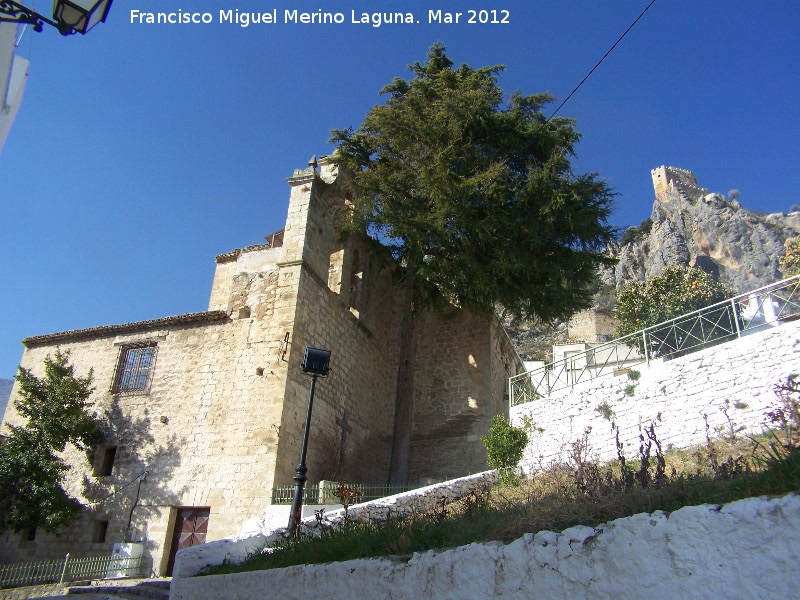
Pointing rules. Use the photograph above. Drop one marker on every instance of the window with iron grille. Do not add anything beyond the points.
(135, 368)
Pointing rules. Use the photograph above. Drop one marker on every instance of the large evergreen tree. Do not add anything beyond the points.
(477, 199)
(31, 471)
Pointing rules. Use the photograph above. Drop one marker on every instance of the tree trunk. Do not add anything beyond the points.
(404, 396)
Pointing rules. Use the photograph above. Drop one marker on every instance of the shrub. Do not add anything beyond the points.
(605, 410)
(504, 443)
(634, 234)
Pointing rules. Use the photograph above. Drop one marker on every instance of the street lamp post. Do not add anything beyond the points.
(315, 362)
(69, 16)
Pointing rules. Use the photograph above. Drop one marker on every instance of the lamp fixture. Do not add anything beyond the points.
(316, 362)
(69, 16)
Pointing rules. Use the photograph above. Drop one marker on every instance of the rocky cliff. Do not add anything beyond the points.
(688, 226)
(691, 227)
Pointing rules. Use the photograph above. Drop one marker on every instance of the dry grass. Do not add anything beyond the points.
(579, 492)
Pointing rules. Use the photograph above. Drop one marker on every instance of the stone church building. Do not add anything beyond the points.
(204, 412)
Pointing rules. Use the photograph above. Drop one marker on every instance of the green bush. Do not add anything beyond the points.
(504, 443)
(634, 234)
(677, 291)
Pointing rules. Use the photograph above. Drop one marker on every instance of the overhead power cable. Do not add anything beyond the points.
(589, 74)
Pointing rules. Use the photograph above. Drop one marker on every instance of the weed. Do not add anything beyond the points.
(731, 428)
(530, 426)
(786, 416)
(580, 491)
(605, 410)
(347, 497)
(783, 438)
(633, 376)
(721, 469)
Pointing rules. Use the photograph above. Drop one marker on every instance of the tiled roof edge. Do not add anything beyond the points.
(104, 330)
(234, 254)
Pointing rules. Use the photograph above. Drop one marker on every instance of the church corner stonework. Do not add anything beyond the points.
(212, 405)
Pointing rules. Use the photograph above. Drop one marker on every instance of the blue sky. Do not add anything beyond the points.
(142, 151)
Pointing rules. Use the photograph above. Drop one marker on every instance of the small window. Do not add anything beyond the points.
(99, 531)
(244, 313)
(356, 281)
(135, 368)
(104, 462)
(29, 534)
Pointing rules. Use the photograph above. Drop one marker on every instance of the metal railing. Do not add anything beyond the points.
(70, 569)
(283, 494)
(323, 494)
(715, 324)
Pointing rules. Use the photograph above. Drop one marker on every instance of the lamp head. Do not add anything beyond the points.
(316, 361)
(79, 15)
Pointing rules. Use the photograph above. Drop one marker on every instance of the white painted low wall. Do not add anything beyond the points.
(191, 561)
(746, 549)
(681, 390)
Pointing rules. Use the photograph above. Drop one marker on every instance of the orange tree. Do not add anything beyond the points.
(677, 291)
(789, 263)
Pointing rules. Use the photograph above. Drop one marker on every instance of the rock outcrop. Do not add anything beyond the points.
(691, 227)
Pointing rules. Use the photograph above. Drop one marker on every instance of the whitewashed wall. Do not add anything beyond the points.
(742, 372)
(191, 561)
(746, 549)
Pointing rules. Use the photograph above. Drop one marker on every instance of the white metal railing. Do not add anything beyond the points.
(721, 322)
(70, 569)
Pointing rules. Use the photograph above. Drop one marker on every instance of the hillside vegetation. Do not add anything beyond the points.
(580, 492)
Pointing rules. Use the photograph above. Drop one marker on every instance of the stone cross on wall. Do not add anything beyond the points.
(346, 430)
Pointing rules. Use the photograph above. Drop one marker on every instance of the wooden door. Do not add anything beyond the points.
(191, 527)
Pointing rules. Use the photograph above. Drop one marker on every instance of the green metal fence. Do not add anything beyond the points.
(283, 494)
(762, 308)
(70, 569)
(323, 493)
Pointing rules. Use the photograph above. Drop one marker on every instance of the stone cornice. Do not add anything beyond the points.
(291, 263)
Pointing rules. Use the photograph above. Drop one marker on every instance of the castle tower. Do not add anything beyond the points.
(673, 179)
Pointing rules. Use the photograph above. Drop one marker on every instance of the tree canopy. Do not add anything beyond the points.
(31, 472)
(476, 196)
(677, 291)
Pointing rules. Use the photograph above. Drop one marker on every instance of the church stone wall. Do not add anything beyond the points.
(353, 406)
(222, 420)
(200, 441)
(467, 361)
